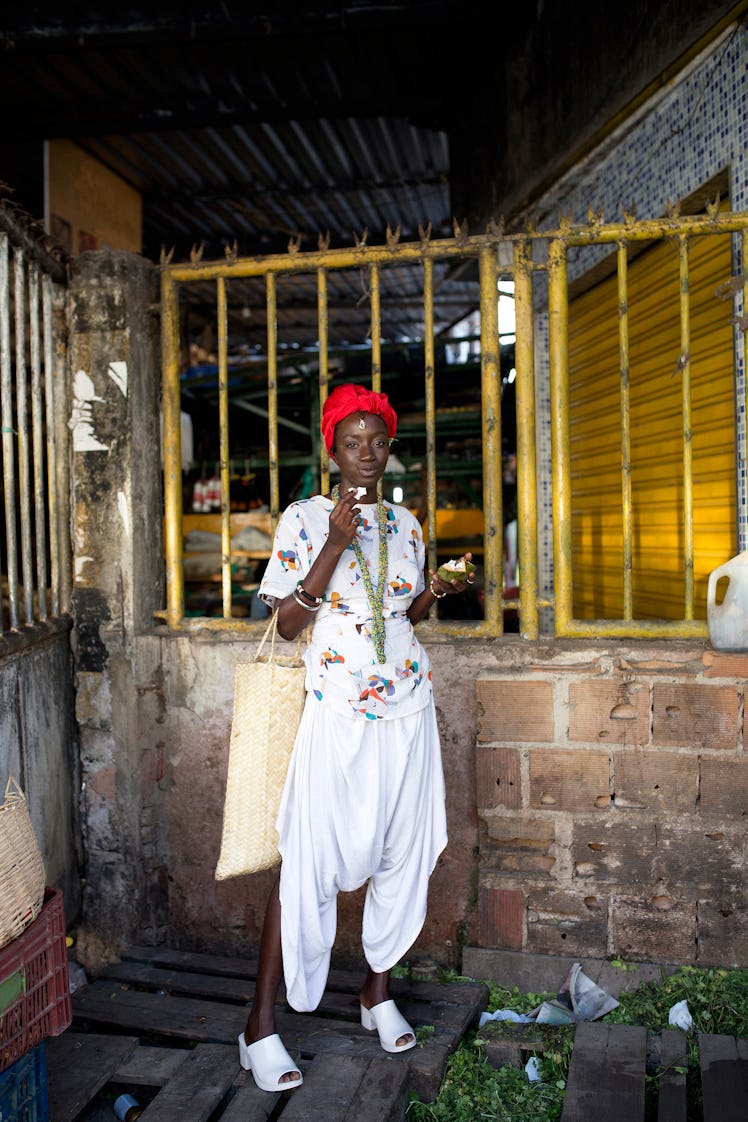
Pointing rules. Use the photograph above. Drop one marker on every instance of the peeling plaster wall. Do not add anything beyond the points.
(113, 411)
(184, 726)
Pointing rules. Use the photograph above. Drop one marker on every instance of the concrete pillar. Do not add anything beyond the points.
(113, 411)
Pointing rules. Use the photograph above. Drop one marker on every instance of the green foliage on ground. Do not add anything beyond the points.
(717, 1001)
(473, 1090)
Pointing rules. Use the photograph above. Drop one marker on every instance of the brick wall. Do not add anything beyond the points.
(612, 792)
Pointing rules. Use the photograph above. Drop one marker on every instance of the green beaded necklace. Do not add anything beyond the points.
(375, 596)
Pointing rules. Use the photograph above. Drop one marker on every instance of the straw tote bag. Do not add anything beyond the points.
(269, 696)
(22, 874)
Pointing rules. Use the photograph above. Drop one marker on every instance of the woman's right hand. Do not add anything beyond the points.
(345, 518)
(344, 521)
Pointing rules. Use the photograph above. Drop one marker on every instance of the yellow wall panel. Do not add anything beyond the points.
(656, 433)
(88, 206)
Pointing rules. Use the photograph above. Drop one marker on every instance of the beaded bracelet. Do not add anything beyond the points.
(434, 593)
(310, 599)
(306, 607)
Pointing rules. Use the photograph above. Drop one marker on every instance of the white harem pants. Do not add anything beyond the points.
(364, 800)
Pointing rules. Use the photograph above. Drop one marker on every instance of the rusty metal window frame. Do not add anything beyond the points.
(499, 256)
(35, 559)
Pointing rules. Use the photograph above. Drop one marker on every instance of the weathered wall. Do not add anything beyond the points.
(38, 745)
(183, 732)
(113, 405)
(612, 787)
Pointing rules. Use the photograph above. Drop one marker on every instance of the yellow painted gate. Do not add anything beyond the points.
(642, 481)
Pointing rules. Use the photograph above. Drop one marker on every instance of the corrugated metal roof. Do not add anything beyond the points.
(246, 129)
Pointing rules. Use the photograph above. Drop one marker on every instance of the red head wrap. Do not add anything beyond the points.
(351, 398)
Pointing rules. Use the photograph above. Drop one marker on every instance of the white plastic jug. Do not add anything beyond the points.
(728, 621)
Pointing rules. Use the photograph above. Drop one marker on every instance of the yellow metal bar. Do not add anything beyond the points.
(445, 628)
(558, 330)
(352, 258)
(493, 524)
(376, 329)
(594, 234)
(324, 372)
(172, 453)
(361, 256)
(223, 443)
(272, 336)
(636, 629)
(527, 503)
(685, 369)
(50, 414)
(37, 443)
(429, 389)
(624, 375)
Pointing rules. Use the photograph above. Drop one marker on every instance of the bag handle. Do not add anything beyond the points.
(271, 627)
(12, 790)
(272, 631)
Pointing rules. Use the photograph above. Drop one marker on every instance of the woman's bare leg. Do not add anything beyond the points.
(374, 991)
(261, 1020)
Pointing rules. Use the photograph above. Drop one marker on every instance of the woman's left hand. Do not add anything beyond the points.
(449, 587)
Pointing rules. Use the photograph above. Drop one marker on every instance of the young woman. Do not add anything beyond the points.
(364, 796)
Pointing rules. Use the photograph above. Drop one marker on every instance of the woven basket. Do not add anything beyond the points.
(269, 696)
(22, 875)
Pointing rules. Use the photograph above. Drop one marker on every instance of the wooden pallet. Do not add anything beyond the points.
(165, 1023)
(609, 1063)
(608, 1066)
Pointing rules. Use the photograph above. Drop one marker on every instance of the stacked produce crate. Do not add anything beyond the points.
(34, 981)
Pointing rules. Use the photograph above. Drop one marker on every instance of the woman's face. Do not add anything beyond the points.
(361, 450)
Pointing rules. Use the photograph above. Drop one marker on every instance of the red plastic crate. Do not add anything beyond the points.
(34, 982)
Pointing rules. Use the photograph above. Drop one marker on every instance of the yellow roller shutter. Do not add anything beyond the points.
(656, 433)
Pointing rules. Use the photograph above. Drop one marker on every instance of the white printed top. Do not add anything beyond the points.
(342, 670)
